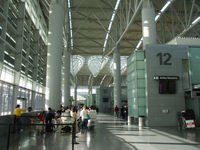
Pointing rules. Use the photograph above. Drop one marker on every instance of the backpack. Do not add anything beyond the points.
(66, 129)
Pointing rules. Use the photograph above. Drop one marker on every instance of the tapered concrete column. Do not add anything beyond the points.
(148, 23)
(54, 56)
(66, 77)
(75, 91)
(117, 78)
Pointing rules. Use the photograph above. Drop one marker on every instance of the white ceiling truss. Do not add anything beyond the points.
(90, 28)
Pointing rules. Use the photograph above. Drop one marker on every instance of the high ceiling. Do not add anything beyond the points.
(91, 19)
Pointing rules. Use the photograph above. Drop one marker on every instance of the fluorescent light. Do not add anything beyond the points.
(110, 24)
(196, 20)
(156, 18)
(165, 6)
(139, 43)
(70, 24)
(117, 4)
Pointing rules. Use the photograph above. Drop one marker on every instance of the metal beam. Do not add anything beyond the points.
(127, 27)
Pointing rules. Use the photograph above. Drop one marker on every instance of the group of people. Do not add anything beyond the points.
(82, 114)
(75, 114)
(121, 112)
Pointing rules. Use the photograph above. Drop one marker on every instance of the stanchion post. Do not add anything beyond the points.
(73, 136)
(14, 124)
(8, 138)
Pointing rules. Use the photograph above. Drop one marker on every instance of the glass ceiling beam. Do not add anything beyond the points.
(96, 63)
(137, 10)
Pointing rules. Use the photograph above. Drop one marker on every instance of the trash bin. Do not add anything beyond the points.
(130, 120)
(141, 121)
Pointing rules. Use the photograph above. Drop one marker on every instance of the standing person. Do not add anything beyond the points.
(116, 110)
(17, 113)
(48, 120)
(84, 119)
(50, 115)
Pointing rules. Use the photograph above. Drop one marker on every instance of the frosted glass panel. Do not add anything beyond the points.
(140, 64)
(136, 84)
(130, 59)
(141, 102)
(141, 92)
(140, 56)
(141, 83)
(131, 67)
(131, 77)
(140, 74)
(142, 111)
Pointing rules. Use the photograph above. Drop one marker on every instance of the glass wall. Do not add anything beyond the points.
(6, 96)
(25, 92)
(136, 84)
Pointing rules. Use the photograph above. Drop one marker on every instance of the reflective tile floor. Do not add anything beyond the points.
(110, 134)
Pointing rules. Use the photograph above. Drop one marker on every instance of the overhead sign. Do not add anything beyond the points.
(166, 77)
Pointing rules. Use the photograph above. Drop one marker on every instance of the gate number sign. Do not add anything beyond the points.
(165, 58)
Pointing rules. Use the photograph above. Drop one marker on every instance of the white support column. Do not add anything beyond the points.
(66, 77)
(75, 91)
(148, 23)
(117, 78)
(54, 56)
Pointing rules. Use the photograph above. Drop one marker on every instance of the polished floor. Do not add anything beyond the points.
(110, 134)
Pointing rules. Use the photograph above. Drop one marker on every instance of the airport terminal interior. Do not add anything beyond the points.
(134, 64)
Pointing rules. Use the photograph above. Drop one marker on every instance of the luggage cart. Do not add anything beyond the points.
(186, 119)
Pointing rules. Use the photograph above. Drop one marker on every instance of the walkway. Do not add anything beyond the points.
(111, 134)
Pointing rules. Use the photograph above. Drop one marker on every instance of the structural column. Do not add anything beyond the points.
(54, 56)
(148, 23)
(66, 77)
(19, 47)
(117, 78)
(75, 91)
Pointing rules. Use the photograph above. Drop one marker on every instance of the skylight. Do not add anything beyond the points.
(77, 63)
(96, 63)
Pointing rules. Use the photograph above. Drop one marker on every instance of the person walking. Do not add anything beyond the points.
(18, 114)
(84, 119)
(116, 110)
